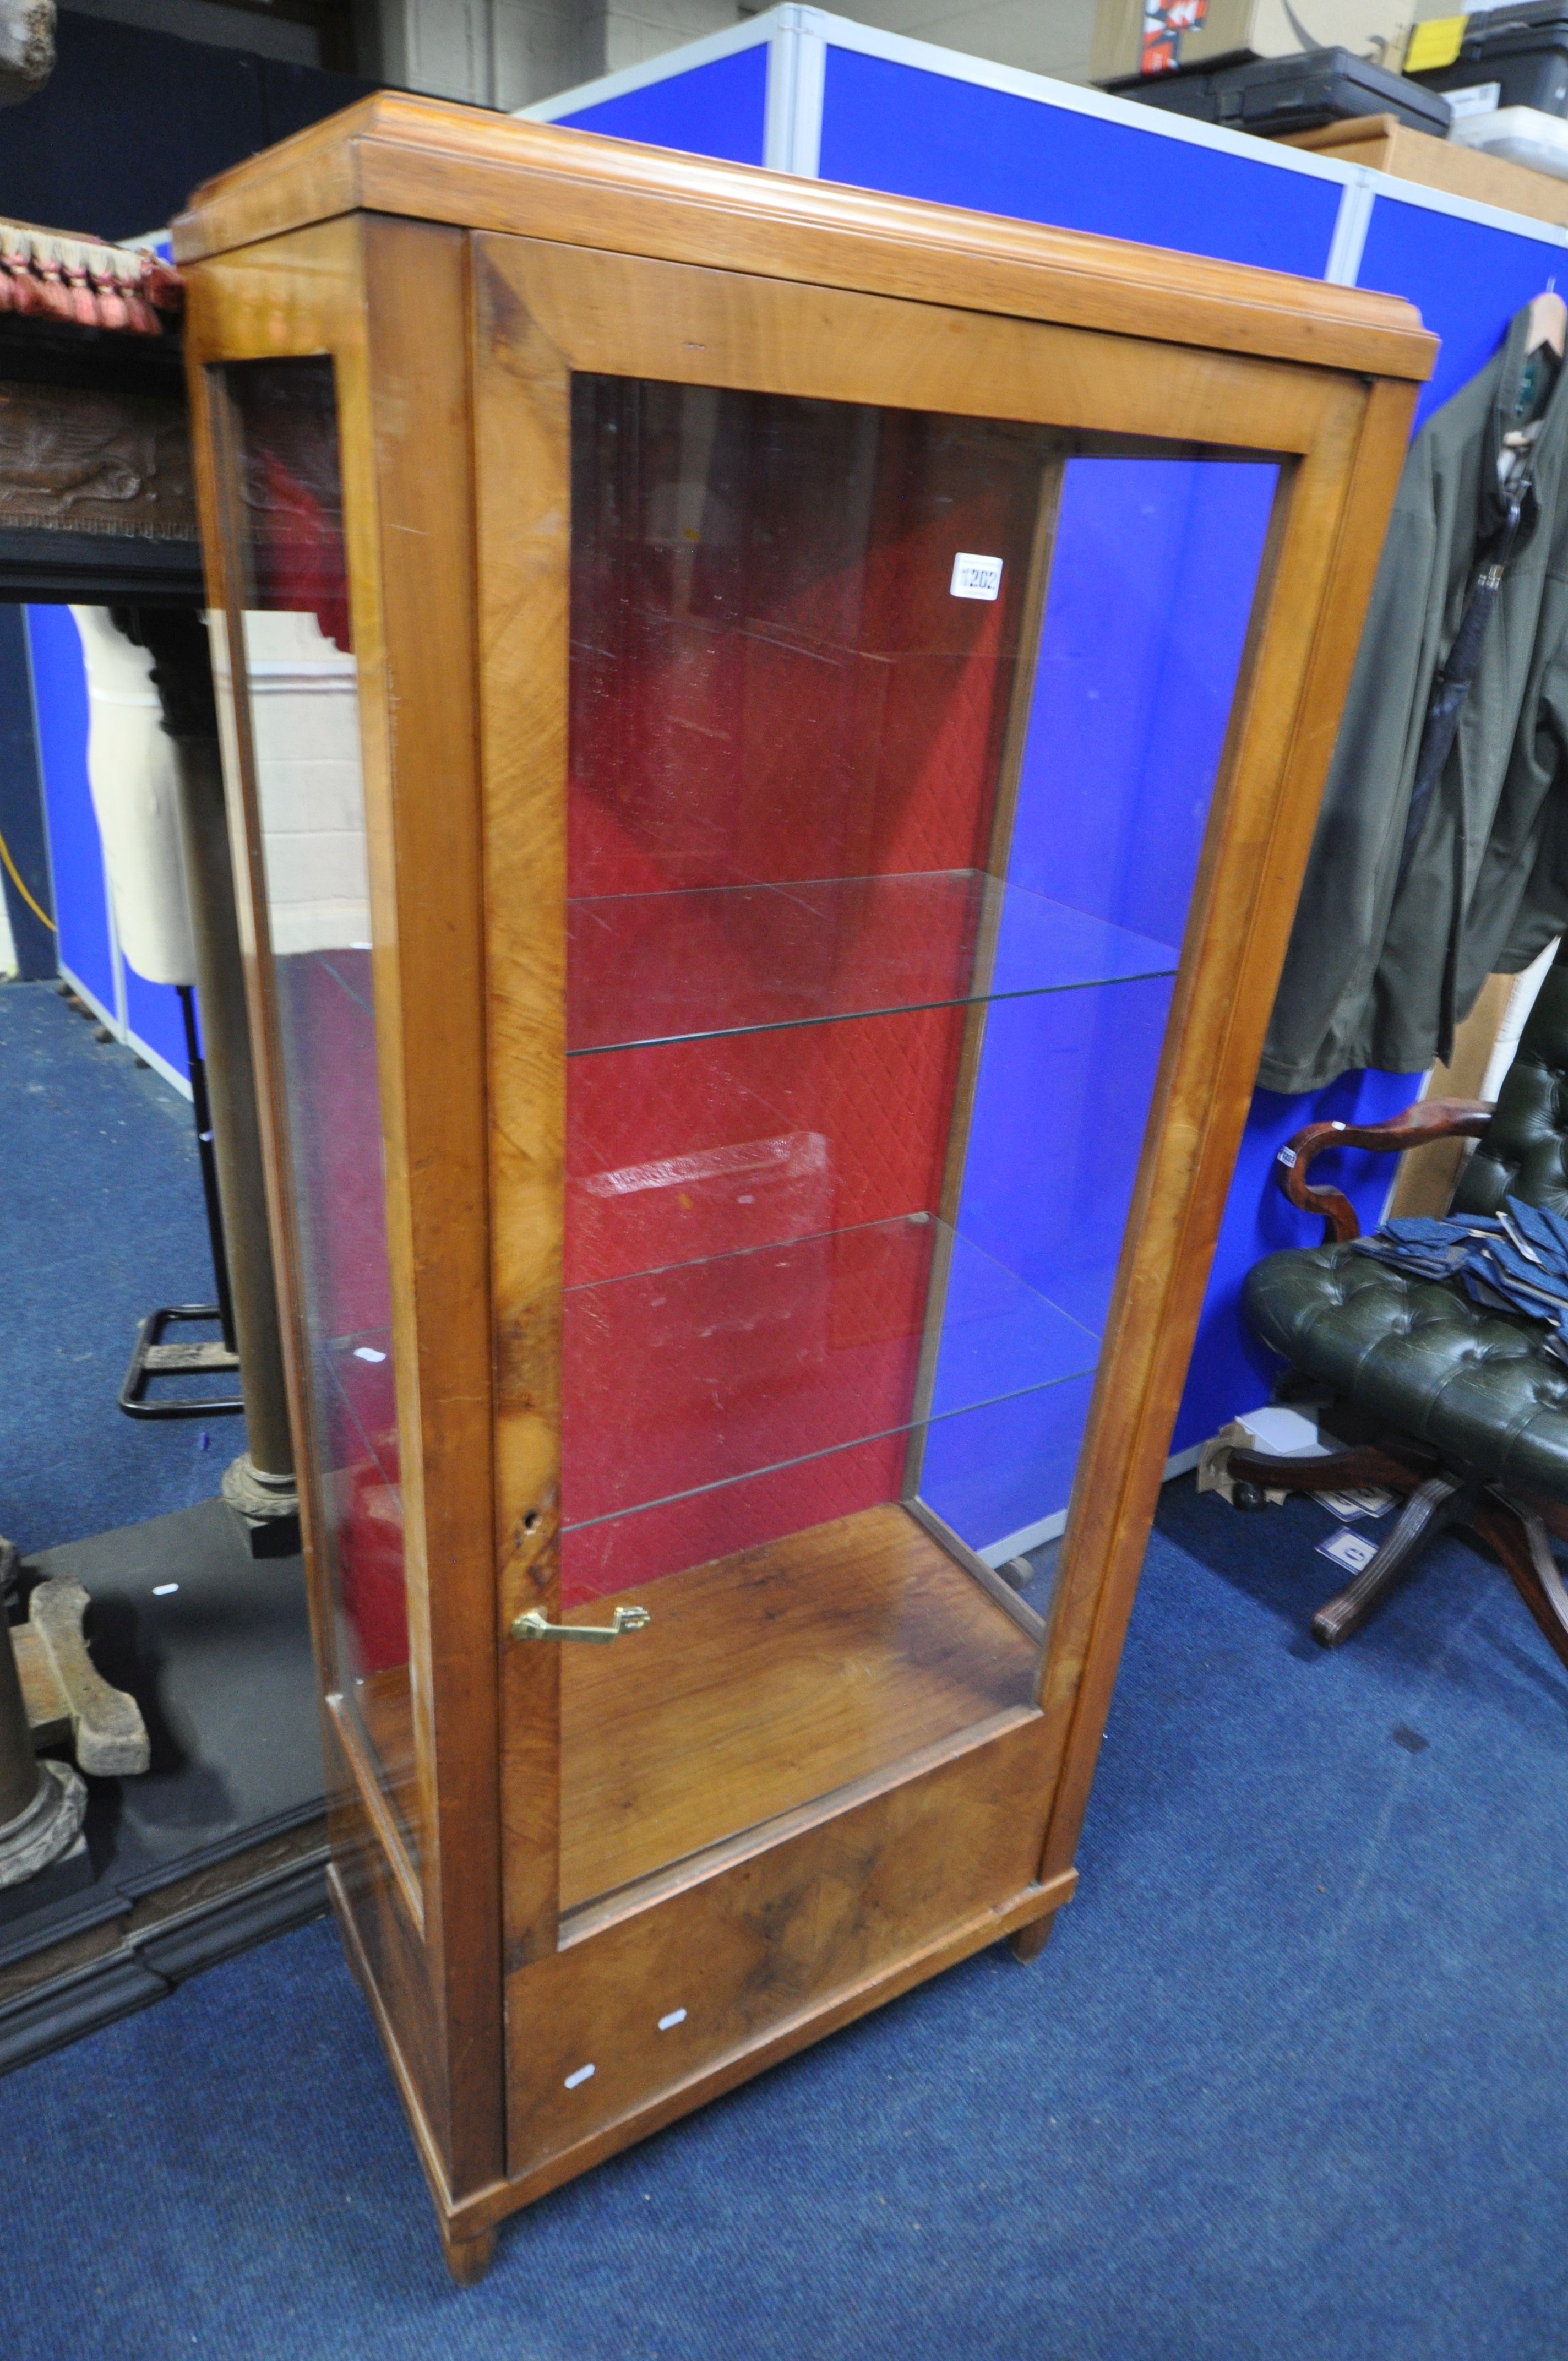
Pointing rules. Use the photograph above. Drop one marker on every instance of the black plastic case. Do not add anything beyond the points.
(1523, 50)
(1275, 94)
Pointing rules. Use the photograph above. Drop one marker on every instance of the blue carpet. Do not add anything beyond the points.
(101, 1220)
(1289, 2081)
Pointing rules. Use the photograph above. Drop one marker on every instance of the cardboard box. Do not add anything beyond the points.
(1154, 36)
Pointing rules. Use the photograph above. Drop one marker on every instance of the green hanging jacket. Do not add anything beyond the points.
(1486, 887)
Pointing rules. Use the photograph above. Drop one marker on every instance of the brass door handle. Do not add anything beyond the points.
(533, 1625)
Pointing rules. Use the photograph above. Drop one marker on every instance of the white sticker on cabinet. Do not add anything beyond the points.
(976, 577)
(581, 2075)
(677, 2016)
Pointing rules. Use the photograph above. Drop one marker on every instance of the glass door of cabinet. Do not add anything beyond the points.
(892, 737)
(297, 709)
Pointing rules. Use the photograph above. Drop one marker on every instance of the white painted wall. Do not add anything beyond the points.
(628, 31)
(509, 53)
(1047, 36)
(489, 53)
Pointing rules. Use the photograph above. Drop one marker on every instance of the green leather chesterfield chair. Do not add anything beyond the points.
(1460, 1409)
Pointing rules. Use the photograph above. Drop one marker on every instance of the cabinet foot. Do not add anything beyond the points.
(1031, 1940)
(468, 2259)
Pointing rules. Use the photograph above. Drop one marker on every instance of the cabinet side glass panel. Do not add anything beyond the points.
(808, 1374)
(297, 672)
(1154, 574)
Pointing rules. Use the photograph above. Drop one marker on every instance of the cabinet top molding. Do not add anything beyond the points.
(431, 160)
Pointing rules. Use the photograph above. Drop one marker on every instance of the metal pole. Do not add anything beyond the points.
(197, 1065)
(261, 1484)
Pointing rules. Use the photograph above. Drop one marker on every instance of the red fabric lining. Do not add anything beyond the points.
(771, 681)
(771, 678)
(701, 1374)
(291, 490)
(857, 1112)
(625, 1552)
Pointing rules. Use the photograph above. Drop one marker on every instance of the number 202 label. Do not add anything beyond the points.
(976, 577)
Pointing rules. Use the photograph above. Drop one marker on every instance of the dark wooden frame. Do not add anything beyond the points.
(1413, 1126)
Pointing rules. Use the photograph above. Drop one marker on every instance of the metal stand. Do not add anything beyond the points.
(41, 1804)
(51, 1695)
(150, 1356)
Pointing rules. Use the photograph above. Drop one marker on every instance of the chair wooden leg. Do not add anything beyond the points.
(1424, 1514)
(1520, 1539)
(1516, 1533)
(468, 2259)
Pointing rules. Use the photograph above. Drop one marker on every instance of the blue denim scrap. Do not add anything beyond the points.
(1514, 1260)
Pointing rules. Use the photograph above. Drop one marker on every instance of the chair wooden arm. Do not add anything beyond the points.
(1433, 1119)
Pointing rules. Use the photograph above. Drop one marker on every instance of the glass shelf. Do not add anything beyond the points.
(653, 968)
(680, 1380)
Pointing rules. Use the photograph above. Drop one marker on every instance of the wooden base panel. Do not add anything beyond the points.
(976, 1934)
(466, 2223)
(385, 1795)
(806, 1907)
(843, 1702)
(767, 1680)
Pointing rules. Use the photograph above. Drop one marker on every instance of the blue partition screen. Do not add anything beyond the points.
(1467, 279)
(886, 126)
(1153, 578)
(719, 109)
(153, 1018)
(80, 896)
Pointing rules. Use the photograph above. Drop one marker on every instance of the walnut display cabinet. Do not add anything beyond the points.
(772, 733)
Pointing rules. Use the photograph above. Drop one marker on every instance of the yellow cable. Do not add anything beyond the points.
(16, 879)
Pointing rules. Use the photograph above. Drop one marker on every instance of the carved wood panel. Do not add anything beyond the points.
(84, 460)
